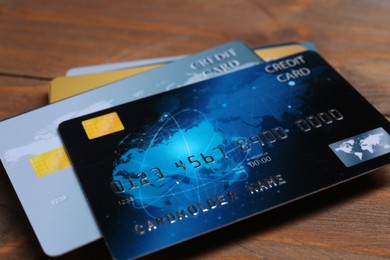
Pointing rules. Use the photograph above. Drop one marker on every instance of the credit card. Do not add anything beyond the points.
(64, 87)
(140, 63)
(164, 169)
(39, 169)
(120, 65)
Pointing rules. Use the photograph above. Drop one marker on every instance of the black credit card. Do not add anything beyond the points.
(166, 168)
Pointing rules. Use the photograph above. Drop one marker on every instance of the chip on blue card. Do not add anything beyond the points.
(192, 160)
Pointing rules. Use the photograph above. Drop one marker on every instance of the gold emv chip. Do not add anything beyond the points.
(49, 162)
(102, 125)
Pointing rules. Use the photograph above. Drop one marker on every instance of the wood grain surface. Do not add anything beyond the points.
(41, 40)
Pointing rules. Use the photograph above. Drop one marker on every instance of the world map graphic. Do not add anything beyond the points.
(362, 147)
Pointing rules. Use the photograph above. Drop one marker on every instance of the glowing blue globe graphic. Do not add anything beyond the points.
(179, 158)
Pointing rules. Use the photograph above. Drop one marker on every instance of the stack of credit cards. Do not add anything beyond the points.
(150, 153)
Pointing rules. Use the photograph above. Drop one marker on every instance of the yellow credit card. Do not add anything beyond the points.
(64, 87)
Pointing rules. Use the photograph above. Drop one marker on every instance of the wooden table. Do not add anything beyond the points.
(40, 40)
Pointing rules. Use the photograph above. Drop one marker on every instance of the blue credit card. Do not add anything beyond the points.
(164, 169)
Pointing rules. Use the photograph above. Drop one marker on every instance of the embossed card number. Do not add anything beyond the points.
(140, 179)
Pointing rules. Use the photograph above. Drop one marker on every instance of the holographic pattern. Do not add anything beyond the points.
(362, 147)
